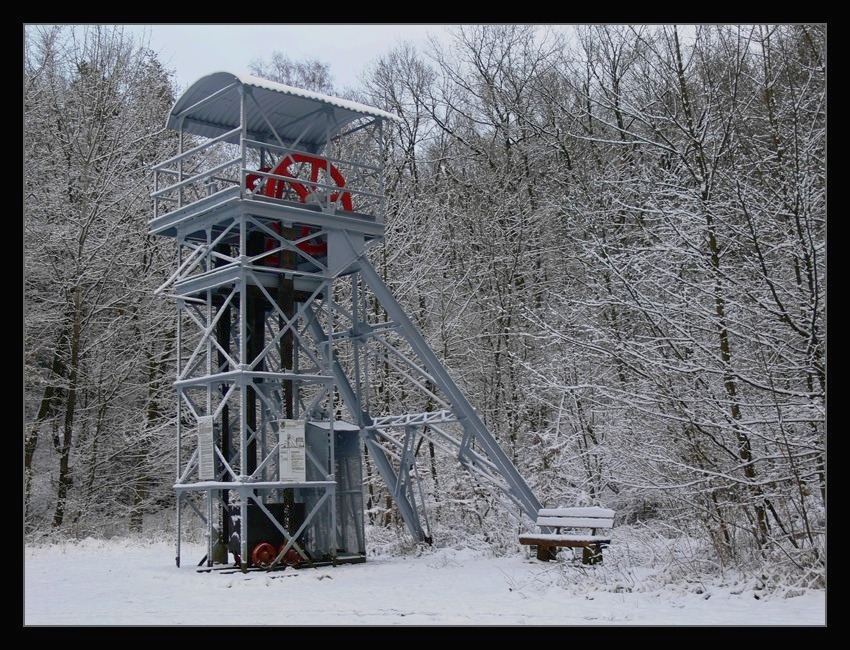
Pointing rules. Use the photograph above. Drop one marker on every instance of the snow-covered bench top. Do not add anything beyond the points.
(592, 517)
(591, 511)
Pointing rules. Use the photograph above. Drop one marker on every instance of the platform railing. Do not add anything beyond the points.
(211, 167)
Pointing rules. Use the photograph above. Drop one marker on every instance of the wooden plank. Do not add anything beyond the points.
(552, 545)
(562, 540)
(575, 522)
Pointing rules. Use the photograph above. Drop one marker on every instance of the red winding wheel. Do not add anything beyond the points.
(251, 180)
(263, 555)
(275, 188)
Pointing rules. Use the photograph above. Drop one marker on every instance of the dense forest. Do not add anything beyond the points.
(614, 236)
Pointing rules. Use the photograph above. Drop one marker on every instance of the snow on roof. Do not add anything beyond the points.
(258, 82)
(211, 107)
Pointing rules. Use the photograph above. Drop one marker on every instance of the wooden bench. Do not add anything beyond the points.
(560, 519)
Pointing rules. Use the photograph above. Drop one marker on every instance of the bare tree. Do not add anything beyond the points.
(94, 102)
(310, 74)
(683, 308)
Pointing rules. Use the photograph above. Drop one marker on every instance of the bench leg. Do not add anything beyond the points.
(591, 555)
(546, 553)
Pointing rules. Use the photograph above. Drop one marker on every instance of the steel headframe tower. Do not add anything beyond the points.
(274, 198)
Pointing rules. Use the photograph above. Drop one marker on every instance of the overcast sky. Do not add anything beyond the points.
(197, 50)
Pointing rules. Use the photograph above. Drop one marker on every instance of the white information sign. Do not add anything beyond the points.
(291, 455)
(206, 450)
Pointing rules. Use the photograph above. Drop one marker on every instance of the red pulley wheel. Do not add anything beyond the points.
(263, 554)
(292, 556)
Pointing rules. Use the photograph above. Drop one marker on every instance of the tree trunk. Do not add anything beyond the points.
(65, 479)
(48, 407)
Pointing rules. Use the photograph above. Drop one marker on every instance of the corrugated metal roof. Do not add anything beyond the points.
(211, 107)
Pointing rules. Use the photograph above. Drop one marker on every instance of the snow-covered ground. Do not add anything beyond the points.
(95, 582)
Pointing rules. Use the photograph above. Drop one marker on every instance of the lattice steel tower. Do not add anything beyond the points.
(274, 198)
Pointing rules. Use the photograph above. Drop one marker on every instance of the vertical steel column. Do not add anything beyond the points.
(179, 352)
(208, 312)
(209, 527)
(223, 336)
(179, 528)
(364, 319)
(180, 164)
(331, 416)
(243, 350)
(355, 339)
(382, 192)
(243, 530)
(243, 393)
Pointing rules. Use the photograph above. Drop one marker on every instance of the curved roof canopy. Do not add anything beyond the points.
(211, 107)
